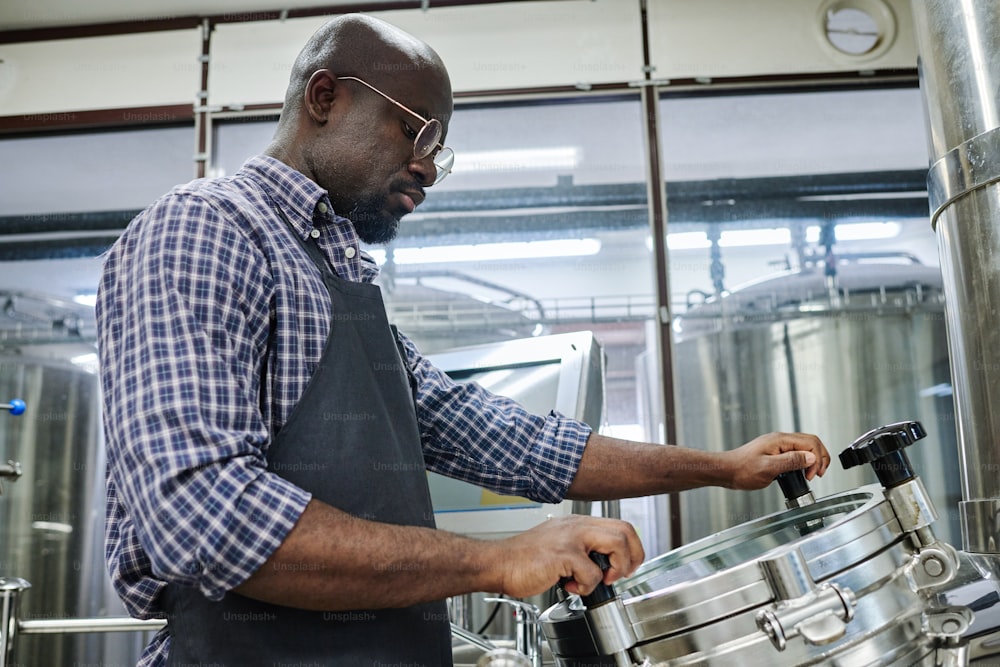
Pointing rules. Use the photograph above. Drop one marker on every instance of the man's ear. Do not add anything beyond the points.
(319, 95)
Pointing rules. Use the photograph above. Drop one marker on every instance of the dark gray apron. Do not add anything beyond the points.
(353, 442)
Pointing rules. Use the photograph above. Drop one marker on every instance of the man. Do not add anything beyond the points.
(268, 432)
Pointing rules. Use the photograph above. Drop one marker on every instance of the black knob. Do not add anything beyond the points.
(603, 592)
(793, 484)
(883, 449)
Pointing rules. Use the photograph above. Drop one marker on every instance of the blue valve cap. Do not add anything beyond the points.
(16, 406)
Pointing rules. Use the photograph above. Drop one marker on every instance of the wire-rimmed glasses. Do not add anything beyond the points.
(428, 138)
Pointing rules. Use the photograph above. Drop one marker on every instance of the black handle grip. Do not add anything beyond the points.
(883, 449)
(603, 592)
(793, 484)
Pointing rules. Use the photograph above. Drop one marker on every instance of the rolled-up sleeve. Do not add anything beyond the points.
(471, 434)
(182, 312)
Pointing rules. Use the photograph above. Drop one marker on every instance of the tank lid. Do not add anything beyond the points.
(715, 577)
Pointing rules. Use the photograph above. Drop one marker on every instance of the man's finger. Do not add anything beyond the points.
(796, 460)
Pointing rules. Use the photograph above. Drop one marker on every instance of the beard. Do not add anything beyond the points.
(371, 222)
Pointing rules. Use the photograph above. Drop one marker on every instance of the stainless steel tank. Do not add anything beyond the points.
(858, 578)
(52, 517)
(790, 354)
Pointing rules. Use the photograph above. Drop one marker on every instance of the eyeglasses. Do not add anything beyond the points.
(428, 138)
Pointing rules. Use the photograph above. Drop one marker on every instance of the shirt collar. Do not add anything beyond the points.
(292, 190)
(299, 196)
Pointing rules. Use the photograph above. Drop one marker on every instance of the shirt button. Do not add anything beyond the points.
(322, 207)
(314, 233)
(350, 252)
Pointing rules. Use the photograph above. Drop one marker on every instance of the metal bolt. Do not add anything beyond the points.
(933, 566)
(951, 626)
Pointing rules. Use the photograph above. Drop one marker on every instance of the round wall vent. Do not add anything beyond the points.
(857, 29)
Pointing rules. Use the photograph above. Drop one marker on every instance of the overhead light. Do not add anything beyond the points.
(687, 241)
(728, 239)
(736, 238)
(858, 231)
(88, 362)
(733, 238)
(86, 299)
(518, 159)
(486, 252)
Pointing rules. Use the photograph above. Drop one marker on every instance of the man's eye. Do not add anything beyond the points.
(409, 131)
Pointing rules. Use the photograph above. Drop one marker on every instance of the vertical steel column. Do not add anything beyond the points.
(959, 62)
(657, 199)
(202, 112)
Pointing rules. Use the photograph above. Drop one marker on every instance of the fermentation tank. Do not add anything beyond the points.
(799, 352)
(52, 516)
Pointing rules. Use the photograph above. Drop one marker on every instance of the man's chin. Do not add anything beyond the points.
(375, 231)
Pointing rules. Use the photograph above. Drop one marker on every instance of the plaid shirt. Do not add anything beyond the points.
(188, 297)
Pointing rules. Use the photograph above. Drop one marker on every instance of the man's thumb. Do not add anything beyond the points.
(797, 460)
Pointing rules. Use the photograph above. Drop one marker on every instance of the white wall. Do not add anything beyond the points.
(121, 71)
(486, 47)
(736, 38)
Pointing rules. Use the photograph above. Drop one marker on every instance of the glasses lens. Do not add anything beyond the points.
(443, 162)
(427, 139)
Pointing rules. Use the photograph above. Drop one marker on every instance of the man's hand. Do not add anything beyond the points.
(757, 463)
(613, 468)
(559, 548)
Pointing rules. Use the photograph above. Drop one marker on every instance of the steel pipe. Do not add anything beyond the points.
(959, 62)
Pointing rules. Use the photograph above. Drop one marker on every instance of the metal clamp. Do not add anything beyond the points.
(933, 566)
(819, 614)
(11, 470)
(965, 168)
(947, 625)
(912, 505)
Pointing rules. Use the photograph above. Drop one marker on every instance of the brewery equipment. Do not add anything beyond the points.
(959, 47)
(854, 578)
(830, 355)
(52, 471)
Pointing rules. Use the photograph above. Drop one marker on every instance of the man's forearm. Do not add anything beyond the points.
(334, 561)
(612, 468)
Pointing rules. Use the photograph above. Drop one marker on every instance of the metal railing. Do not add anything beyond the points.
(11, 625)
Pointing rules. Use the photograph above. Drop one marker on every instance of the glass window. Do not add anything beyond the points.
(69, 195)
(93, 171)
(541, 229)
(806, 285)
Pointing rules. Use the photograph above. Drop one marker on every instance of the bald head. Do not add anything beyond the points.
(360, 94)
(365, 47)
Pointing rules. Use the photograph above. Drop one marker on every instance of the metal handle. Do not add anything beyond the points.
(16, 406)
(883, 449)
(10, 470)
(603, 592)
